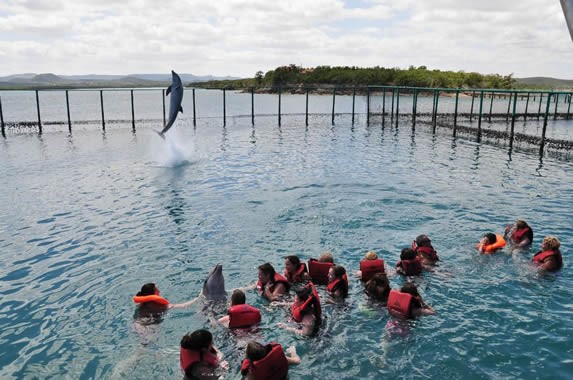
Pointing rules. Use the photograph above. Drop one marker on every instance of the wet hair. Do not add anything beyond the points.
(197, 340)
(410, 288)
(294, 260)
(521, 224)
(267, 268)
(408, 254)
(551, 242)
(339, 271)
(491, 238)
(378, 280)
(238, 297)
(370, 255)
(423, 241)
(147, 290)
(255, 351)
(303, 293)
(326, 257)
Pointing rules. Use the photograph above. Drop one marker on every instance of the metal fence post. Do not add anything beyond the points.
(545, 124)
(480, 112)
(397, 105)
(513, 119)
(38, 111)
(491, 105)
(556, 103)
(368, 105)
(472, 108)
(132, 112)
(333, 103)
(456, 112)
(102, 111)
(163, 102)
(353, 102)
(526, 107)
(224, 108)
(2, 119)
(252, 106)
(279, 106)
(68, 112)
(306, 110)
(194, 113)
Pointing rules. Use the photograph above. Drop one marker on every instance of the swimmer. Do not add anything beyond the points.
(424, 249)
(271, 285)
(295, 271)
(407, 303)
(369, 266)
(378, 287)
(519, 234)
(240, 314)
(151, 305)
(549, 258)
(198, 357)
(409, 264)
(337, 282)
(490, 243)
(267, 362)
(318, 269)
(306, 310)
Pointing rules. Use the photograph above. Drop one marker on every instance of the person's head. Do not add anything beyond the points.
(199, 340)
(302, 294)
(238, 297)
(410, 288)
(266, 273)
(407, 254)
(148, 289)
(423, 241)
(291, 263)
(550, 243)
(326, 257)
(370, 255)
(255, 351)
(378, 286)
(336, 271)
(490, 238)
(520, 224)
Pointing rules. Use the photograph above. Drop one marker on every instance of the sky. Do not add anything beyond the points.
(241, 37)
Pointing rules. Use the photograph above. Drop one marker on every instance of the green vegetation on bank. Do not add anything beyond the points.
(296, 76)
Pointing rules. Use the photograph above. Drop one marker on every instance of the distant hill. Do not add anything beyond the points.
(544, 82)
(48, 80)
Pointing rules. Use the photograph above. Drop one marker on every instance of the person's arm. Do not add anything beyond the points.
(306, 329)
(549, 264)
(524, 243)
(286, 327)
(224, 320)
(358, 274)
(292, 356)
(279, 290)
(246, 288)
(183, 305)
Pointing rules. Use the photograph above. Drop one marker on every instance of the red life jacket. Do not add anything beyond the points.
(318, 271)
(277, 280)
(189, 357)
(274, 366)
(400, 304)
(339, 283)
(541, 256)
(410, 267)
(428, 252)
(151, 298)
(518, 235)
(370, 267)
(243, 316)
(297, 276)
(313, 300)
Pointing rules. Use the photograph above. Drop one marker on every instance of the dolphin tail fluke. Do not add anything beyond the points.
(160, 133)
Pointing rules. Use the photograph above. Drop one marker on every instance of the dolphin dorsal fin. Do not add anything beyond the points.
(181, 109)
(168, 91)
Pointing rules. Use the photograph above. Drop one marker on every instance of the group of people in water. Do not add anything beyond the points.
(199, 358)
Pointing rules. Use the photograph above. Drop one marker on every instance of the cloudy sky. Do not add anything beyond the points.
(241, 37)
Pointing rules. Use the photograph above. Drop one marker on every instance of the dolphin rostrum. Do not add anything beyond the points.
(176, 91)
(567, 6)
(214, 285)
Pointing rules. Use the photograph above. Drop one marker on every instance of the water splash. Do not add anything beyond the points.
(173, 151)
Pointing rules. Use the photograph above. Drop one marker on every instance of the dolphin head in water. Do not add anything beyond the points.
(214, 285)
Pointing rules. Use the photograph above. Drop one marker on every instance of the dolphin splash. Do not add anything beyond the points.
(176, 91)
(214, 285)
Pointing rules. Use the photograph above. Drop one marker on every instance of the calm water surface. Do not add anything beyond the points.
(87, 219)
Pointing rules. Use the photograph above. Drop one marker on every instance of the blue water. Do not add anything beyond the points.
(87, 219)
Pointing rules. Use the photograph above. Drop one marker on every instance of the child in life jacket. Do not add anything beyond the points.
(240, 314)
(198, 357)
(407, 303)
(151, 305)
(422, 245)
(410, 263)
(519, 234)
(271, 285)
(337, 282)
(295, 271)
(306, 310)
(369, 266)
(490, 243)
(378, 287)
(549, 258)
(318, 269)
(267, 362)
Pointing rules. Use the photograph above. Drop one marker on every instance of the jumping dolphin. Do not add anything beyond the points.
(176, 91)
(567, 6)
(214, 285)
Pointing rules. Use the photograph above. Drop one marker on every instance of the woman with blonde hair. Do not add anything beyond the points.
(549, 258)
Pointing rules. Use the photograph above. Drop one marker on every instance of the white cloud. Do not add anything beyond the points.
(240, 37)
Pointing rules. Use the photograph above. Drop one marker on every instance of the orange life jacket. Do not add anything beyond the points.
(274, 366)
(400, 304)
(151, 298)
(370, 267)
(298, 275)
(339, 284)
(491, 248)
(313, 300)
(277, 280)
(189, 357)
(243, 316)
(318, 271)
